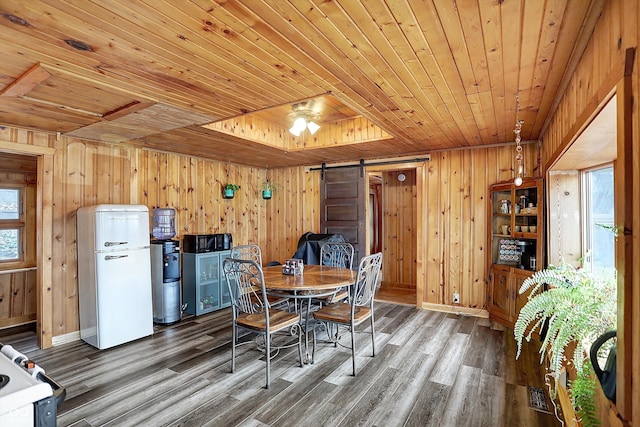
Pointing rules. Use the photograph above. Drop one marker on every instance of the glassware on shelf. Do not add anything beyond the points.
(207, 302)
(523, 201)
(504, 207)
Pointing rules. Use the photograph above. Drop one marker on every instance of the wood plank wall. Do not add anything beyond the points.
(87, 172)
(17, 298)
(456, 189)
(600, 71)
(399, 219)
(293, 210)
(193, 187)
(563, 189)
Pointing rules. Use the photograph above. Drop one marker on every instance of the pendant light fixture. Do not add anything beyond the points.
(519, 156)
(304, 118)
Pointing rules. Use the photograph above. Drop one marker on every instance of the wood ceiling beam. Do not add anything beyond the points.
(27, 81)
(126, 109)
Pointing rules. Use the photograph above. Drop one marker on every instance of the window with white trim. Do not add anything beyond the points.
(12, 224)
(598, 227)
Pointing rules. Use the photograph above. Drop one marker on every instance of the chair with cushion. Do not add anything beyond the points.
(251, 311)
(360, 306)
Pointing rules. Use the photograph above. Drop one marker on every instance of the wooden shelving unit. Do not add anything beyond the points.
(515, 239)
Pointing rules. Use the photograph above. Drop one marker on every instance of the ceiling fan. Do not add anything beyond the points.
(304, 117)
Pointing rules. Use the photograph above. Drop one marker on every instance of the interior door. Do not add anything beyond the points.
(343, 199)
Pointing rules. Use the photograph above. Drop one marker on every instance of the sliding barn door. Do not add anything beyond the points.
(342, 207)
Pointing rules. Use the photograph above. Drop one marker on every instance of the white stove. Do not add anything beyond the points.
(26, 395)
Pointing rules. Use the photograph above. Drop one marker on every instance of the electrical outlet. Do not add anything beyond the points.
(456, 298)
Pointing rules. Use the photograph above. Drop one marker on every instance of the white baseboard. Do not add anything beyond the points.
(465, 311)
(66, 338)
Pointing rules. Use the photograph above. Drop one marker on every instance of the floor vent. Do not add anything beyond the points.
(538, 400)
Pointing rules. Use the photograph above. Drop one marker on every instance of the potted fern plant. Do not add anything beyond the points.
(268, 188)
(578, 307)
(229, 190)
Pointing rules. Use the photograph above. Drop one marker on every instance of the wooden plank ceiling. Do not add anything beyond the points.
(218, 79)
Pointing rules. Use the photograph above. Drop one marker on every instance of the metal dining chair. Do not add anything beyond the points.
(252, 312)
(252, 252)
(336, 254)
(360, 307)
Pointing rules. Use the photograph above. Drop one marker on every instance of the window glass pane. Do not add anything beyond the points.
(9, 202)
(600, 208)
(9, 244)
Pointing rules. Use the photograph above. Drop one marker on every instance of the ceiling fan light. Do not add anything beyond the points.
(313, 127)
(299, 126)
(294, 131)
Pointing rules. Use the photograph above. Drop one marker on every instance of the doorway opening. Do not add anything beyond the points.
(40, 236)
(18, 243)
(391, 228)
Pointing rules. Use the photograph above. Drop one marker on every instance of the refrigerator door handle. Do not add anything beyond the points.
(110, 257)
(107, 244)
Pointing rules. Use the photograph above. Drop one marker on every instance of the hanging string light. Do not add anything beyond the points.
(519, 156)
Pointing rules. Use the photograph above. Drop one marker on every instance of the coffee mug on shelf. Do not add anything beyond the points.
(518, 228)
(506, 229)
(532, 228)
(525, 229)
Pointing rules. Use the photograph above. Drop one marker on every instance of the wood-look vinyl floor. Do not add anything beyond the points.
(430, 369)
(389, 292)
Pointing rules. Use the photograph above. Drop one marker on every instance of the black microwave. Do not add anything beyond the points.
(198, 243)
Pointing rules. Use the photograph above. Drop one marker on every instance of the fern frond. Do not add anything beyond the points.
(577, 307)
(583, 393)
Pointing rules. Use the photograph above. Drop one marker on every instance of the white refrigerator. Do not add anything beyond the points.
(114, 274)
